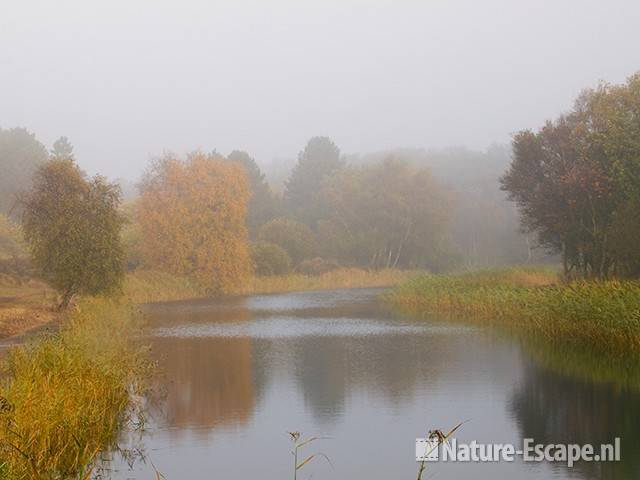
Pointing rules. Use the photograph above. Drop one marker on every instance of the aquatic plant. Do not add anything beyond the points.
(298, 443)
(440, 437)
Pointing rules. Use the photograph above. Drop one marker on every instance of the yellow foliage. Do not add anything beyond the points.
(192, 218)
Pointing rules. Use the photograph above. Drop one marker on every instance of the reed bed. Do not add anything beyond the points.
(604, 315)
(145, 286)
(340, 278)
(65, 396)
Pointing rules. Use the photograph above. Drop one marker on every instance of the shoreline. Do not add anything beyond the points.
(28, 308)
(602, 315)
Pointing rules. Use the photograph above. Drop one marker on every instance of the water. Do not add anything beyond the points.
(238, 374)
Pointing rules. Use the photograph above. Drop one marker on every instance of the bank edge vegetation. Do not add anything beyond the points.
(603, 315)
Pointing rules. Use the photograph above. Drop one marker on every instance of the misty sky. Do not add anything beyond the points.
(126, 79)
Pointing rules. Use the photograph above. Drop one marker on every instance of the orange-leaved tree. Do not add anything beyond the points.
(192, 217)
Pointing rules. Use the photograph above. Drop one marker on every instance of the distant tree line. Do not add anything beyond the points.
(216, 219)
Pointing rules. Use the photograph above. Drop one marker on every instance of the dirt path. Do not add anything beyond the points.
(25, 306)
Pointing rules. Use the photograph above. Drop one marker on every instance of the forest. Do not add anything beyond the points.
(218, 220)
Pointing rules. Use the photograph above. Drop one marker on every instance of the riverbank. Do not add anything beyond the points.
(603, 315)
(65, 396)
(29, 304)
(146, 286)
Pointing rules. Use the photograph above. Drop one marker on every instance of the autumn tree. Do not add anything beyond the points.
(319, 160)
(72, 226)
(20, 155)
(263, 205)
(574, 179)
(192, 219)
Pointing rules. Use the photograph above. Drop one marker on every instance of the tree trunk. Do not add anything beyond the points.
(67, 296)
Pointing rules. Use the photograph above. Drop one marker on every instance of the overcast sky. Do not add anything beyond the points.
(126, 79)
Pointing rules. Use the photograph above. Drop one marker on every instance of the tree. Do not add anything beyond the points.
(295, 238)
(192, 219)
(484, 224)
(385, 215)
(62, 149)
(20, 155)
(10, 239)
(319, 160)
(574, 179)
(263, 205)
(72, 228)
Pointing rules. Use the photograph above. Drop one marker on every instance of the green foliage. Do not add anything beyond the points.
(385, 215)
(319, 160)
(295, 238)
(20, 156)
(72, 227)
(263, 205)
(270, 259)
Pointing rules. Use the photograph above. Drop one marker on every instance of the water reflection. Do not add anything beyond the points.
(207, 383)
(238, 373)
(553, 408)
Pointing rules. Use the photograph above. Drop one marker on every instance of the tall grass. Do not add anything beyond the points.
(603, 315)
(144, 286)
(340, 278)
(152, 286)
(66, 395)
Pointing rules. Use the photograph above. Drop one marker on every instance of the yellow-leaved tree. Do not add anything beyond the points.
(192, 219)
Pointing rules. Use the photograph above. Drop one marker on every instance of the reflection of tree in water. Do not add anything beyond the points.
(329, 369)
(209, 381)
(551, 408)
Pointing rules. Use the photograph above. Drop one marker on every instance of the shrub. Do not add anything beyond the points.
(317, 266)
(295, 238)
(270, 259)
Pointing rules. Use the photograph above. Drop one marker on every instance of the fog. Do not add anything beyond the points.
(125, 80)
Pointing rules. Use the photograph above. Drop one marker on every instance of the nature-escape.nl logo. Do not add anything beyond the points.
(434, 449)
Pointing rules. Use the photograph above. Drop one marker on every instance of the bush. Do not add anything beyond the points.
(295, 238)
(270, 259)
(317, 266)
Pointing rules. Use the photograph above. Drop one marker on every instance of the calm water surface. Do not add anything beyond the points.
(238, 374)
